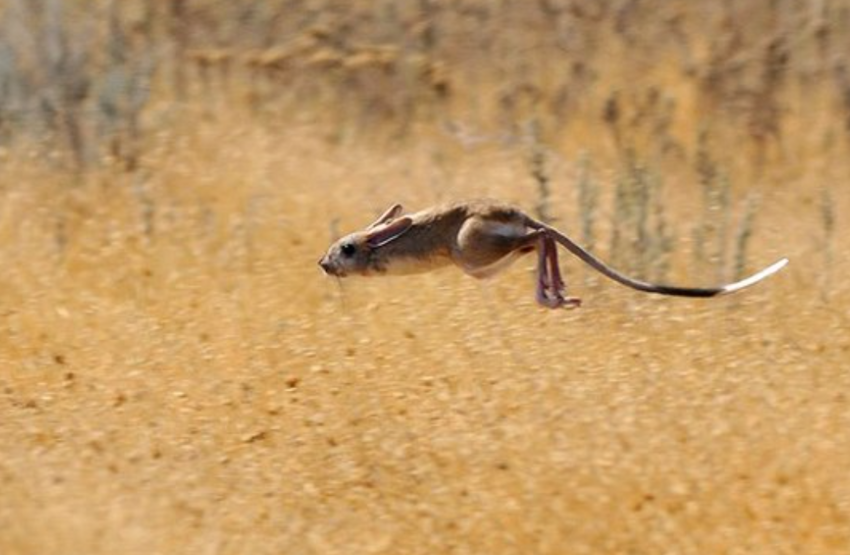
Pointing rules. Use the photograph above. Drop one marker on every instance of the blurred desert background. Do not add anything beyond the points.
(176, 375)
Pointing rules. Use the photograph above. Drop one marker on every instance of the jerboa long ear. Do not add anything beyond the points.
(388, 215)
(389, 233)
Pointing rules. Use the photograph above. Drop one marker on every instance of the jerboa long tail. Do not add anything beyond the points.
(604, 269)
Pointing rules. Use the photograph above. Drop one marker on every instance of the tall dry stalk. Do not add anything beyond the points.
(711, 232)
(537, 160)
(587, 191)
(827, 218)
(743, 235)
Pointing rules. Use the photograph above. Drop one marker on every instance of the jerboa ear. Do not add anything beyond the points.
(389, 233)
(388, 215)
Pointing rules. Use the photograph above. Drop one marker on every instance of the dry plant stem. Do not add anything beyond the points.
(588, 202)
(743, 236)
(827, 213)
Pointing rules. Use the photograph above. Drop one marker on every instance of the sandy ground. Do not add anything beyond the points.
(200, 388)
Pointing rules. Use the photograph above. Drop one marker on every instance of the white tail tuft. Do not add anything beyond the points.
(755, 278)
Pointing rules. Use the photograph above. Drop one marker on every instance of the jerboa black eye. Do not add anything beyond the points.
(348, 249)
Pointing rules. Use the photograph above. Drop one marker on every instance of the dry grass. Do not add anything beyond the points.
(177, 377)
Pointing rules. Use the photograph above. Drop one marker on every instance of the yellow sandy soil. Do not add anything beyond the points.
(201, 388)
